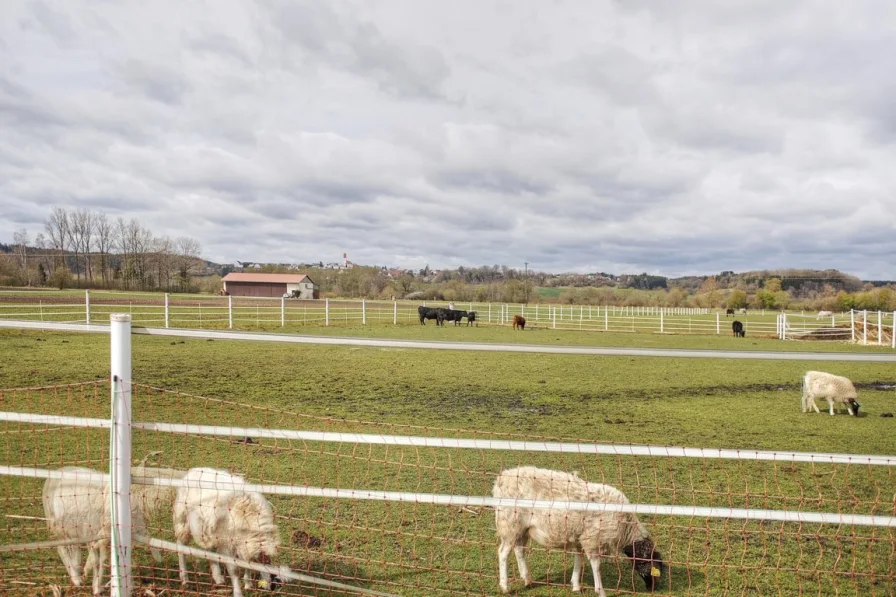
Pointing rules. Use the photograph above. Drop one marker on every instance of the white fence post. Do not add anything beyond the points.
(865, 327)
(893, 332)
(852, 323)
(327, 311)
(718, 325)
(120, 455)
(282, 312)
(880, 328)
(166, 310)
(230, 311)
(661, 322)
(607, 320)
(363, 312)
(554, 316)
(394, 312)
(87, 304)
(489, 312)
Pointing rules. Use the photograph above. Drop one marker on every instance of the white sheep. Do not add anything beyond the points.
(833, 388)
(823, 314)
(228, 520)
(592, 533)
(80, 509)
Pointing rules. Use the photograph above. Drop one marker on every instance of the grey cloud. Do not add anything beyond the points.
(58, 25)
(155, 81)
(360, 48)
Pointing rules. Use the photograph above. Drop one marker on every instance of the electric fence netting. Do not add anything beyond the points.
(332, 506)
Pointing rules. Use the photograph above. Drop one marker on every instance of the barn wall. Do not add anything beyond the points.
(261, 289)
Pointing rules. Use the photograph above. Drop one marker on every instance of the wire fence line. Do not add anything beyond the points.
(401, 514)
(231, 312)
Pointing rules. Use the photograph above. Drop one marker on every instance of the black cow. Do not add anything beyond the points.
(729, 312)
(738, 329)
(471, 317)
(431, 313)
(455, 315)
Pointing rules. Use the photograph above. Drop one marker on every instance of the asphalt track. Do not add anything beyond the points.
(466, 346)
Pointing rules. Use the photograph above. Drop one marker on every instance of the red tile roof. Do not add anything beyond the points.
(281, 278)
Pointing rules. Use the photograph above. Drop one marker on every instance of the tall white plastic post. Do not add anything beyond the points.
(326, 311)
(166, 310)
(893, 332)
(661, 322)
(395, 312)
(230, 312)
(363, 312)
(282, 312)
(87, 305)
(120, 455)
(852, 323)
(880, 328)
(554, 311)
(718, 325)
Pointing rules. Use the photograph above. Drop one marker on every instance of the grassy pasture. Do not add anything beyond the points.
(415, 549)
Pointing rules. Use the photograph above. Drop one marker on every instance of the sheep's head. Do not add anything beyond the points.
(648, 562)
(854, 405)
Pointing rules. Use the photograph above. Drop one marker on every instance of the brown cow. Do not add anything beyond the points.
(519, 322)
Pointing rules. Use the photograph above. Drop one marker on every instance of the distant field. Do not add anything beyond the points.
(419, 550)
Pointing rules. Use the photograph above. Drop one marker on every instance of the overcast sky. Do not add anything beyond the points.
(668, 137)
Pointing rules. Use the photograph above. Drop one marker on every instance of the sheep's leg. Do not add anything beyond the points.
(71, 558)
(813, 405)
(99, 556)
(519, 551)
(577, 570)
(182, 536)
(234, 579)
(217, 575)
(503, 552)
(595, 570)
(831, 407)
(247, 579)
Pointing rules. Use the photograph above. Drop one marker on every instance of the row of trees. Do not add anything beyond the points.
(819, 291)
(87, 249)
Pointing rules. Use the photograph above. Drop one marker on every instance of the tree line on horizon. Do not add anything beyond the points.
(87, 249)
(828, 290)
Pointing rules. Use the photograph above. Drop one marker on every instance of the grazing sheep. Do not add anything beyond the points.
(590, 533)
(80, 509)
(519, 322)
(833, 388)
(228, 520)
(738, 329)
(822, 314)
(729, 312)
(742, 311)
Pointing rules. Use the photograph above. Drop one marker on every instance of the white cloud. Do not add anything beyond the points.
(615, 136)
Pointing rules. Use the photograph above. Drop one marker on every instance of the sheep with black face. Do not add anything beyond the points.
(588, 533)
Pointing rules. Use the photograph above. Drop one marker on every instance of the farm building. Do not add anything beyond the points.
(270, 285)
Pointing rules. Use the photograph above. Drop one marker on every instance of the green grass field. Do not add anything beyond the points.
(421, 550)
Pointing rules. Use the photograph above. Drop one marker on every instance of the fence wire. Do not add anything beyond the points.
(418, 548)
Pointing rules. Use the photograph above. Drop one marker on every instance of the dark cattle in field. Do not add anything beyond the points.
(471, 317)
(455, 315)
(729, 312)
(738, 329)
(519, 322)
(431, 313)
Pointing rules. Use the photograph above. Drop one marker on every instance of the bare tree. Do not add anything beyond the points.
(58, 229)
(20, 238)
(104, 237)
(81, 222)
(188, 258)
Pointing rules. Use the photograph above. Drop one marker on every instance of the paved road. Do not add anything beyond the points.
(469, 346)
